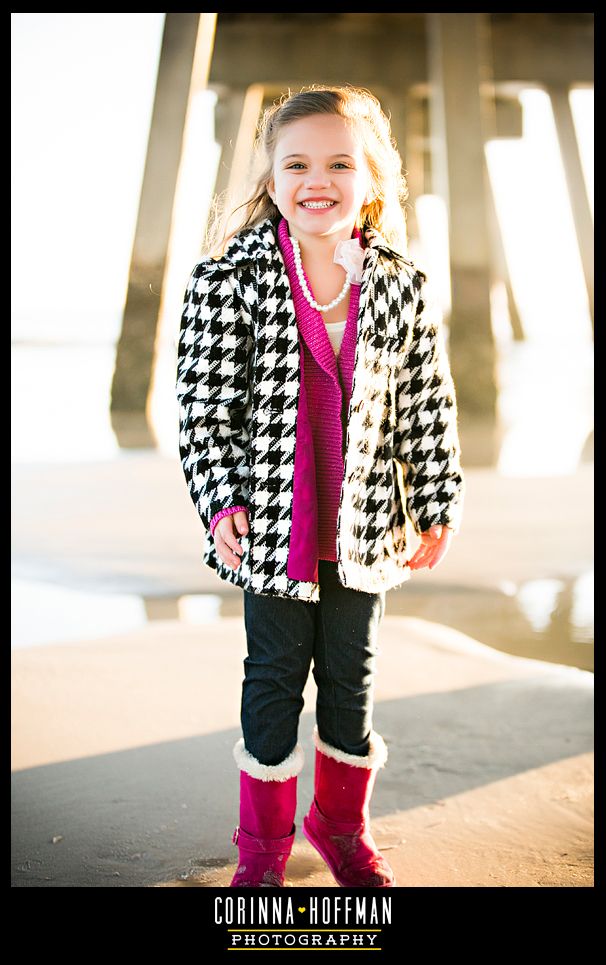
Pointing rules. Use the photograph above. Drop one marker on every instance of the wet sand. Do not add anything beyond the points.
(124, 776)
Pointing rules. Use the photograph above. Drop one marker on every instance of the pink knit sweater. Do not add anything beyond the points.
(324, 398)
(326, 382)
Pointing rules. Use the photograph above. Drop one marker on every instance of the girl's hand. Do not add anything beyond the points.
(226, 535)
(434, 545)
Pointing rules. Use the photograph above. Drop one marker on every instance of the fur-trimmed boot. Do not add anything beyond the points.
(265, 835)
(338, 822)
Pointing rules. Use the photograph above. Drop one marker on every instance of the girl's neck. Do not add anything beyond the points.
(320, 249)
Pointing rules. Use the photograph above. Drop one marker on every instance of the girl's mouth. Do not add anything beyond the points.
(324, 206)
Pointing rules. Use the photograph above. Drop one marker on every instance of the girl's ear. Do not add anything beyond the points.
(270, 187)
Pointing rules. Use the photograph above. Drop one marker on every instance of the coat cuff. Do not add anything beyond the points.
(224, 512)
(423, 523)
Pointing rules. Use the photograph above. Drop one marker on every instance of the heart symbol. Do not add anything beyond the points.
(301, 909)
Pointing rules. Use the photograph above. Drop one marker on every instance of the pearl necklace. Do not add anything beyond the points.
(305, 289)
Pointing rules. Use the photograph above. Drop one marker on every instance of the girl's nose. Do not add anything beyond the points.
(317, 179)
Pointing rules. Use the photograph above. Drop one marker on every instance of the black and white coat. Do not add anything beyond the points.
(238, 383)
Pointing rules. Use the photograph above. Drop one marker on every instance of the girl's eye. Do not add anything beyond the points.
(298, 164)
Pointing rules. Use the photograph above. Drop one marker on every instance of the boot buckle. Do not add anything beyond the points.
(235, 835)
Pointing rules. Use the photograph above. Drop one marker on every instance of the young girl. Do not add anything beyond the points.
(318, 423)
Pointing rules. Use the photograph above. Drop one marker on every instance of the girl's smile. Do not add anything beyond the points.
(317, 209)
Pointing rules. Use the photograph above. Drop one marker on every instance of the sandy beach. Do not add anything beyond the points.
(122, 762)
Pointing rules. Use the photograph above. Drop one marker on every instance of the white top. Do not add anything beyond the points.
(335, 332)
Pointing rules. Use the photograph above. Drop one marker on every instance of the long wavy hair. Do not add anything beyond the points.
(358, 107)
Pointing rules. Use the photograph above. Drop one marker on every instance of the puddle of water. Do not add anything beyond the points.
(46, 613)
(549, 619)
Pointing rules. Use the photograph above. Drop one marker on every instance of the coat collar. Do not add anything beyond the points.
(247, 245)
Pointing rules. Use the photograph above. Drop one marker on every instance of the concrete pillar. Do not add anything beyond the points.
(506, 121)
(394, 105)
(575, 181)
(228, 115)
(457, 59)
(500, 268)
(239, 172)
(237, 115)
(416, 149)
(183, 68)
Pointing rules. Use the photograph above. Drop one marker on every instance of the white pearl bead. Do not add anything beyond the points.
(311, 300)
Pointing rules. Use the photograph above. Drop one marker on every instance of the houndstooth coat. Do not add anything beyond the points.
(238, 384)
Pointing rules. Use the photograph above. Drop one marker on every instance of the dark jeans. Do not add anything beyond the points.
(340, 634)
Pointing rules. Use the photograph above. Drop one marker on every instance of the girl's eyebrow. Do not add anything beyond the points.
(305, 155)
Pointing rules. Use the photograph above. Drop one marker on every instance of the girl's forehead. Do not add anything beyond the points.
(328, 130)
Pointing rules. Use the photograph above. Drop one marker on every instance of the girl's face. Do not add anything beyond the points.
(318, 158)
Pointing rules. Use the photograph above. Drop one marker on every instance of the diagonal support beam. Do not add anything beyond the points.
(186, 50)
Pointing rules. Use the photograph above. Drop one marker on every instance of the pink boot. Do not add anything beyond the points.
(338, 822)
(265, 835)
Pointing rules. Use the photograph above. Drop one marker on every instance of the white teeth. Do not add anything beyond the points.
(317, 204)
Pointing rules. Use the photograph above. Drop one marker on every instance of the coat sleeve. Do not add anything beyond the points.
(426, 437)
(213, 390)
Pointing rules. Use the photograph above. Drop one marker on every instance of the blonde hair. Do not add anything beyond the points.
(359, 108)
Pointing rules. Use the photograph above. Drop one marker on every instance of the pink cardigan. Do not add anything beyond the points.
(324, 398)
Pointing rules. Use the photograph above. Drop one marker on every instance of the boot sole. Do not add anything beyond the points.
(307, 833)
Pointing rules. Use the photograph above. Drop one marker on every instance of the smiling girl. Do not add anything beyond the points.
(318, 422)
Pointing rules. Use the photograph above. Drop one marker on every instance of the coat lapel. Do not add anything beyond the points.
(313, 331)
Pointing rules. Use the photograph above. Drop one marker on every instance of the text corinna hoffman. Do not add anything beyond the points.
(282, 910)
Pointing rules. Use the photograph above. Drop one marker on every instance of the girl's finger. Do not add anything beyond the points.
(228, 535)
(420, 551)
(438, 556)
(421, 558)
(432, 548)
(225, 552)
(440, 553)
